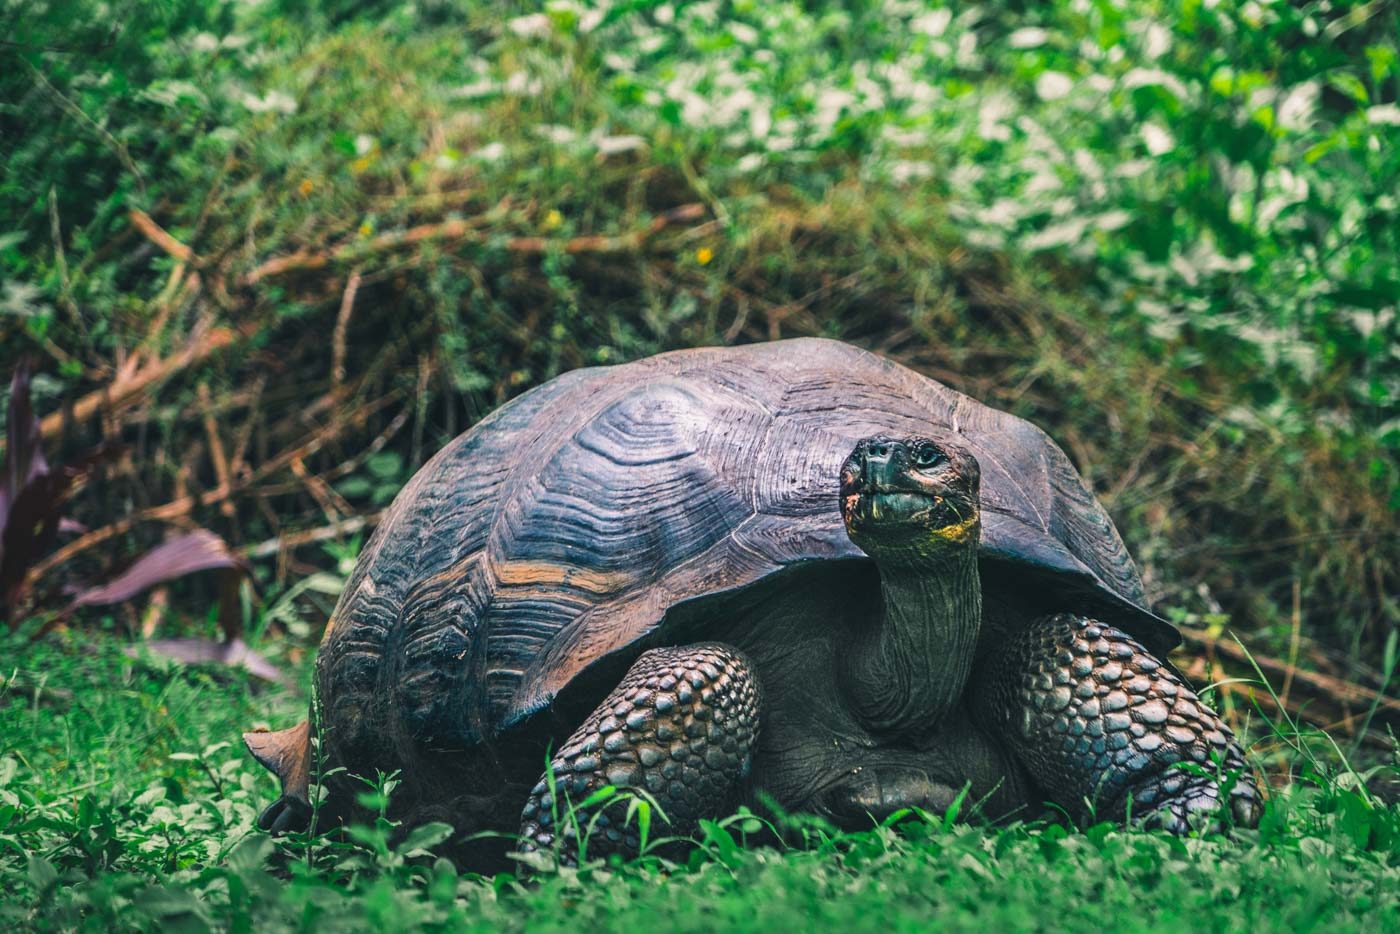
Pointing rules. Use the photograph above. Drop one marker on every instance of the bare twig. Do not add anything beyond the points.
(182, 506)
(245, 431)
(178, 287)
(350, 466)
(178, 290)
(317, 439)
(211, 196)
(432, 201)
(155, 611)
(34, 688)
(741, 318)
(216, 450)
(160, 236)
(702, 188)
(1345, 694)
(467, 231)
(332, 503)
(123, 391)
(342, 324)
(1297, 628)
(117, 146)
(65, 289)
(89, 48)
(1200, 671)
(325, 533)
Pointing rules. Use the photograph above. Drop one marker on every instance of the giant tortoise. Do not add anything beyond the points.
(794, 570)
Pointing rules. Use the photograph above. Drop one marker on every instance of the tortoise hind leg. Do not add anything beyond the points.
(1101, 724)
(680, 726)
(287, 755)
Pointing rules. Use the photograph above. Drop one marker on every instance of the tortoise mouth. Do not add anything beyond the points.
(877, 505)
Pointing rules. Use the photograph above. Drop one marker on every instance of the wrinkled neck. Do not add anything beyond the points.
(910, 665)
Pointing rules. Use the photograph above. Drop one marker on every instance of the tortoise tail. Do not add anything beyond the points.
(287, 754)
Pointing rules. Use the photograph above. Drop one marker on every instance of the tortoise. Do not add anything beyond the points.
(794, 572)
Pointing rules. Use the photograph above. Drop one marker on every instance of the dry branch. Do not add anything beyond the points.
(160, 236)
(216, 449)
(182, 506)
(124, 390)
(1344, 694)
(467, 231)
(1321, 715)
(342, 325)
(332, 503)
(310, 536)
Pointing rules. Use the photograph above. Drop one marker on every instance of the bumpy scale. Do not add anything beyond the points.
(681, 725)
(1102, 724)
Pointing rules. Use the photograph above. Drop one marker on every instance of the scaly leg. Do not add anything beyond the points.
(1100, 724)
(681, 725)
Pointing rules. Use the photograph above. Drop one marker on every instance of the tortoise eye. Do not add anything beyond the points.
(926, 455)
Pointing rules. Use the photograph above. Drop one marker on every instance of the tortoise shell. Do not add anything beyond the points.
(564, 528)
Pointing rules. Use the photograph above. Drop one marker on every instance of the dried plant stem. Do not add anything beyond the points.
(73, 110)
(332, 503)
(1297, 620)
(124, 390)
(155, 610)
(65, 288)
(159, 236)
(1249, 695)
(183, 506)
(324, 533)
(467, 231)
(342, 325)
(216, 450)
(1344, 694)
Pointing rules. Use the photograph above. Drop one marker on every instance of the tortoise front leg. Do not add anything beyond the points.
(681, 726)
(1101, 725)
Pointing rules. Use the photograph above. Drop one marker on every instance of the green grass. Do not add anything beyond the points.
(127, 803)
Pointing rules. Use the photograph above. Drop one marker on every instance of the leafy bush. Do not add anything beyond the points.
(96, 99)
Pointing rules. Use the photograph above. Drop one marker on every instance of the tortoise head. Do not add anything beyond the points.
(913, 495)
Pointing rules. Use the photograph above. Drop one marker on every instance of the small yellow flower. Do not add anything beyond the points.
(552, 220)
(360, 164)
(306, 186)
(704, 255)
(366, 228)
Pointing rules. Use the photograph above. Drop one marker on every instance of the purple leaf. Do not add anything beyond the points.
(24, 459)
(200, 550)
(31, 527)
(31, 494)
(197, 651)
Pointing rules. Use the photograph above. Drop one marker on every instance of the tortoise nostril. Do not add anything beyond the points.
(878, 450)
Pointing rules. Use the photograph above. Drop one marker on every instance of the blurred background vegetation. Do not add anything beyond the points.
(283, 251)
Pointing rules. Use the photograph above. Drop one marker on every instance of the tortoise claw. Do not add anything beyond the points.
(1197, 808)
(285, 815)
